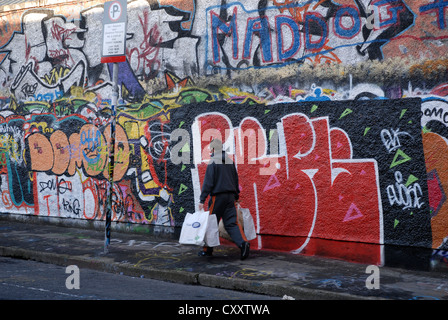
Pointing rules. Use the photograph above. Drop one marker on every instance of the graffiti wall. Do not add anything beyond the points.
(335, 112)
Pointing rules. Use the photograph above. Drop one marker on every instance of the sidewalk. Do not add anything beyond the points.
(266, 272)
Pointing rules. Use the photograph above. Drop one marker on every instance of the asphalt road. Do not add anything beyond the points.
(31, 280)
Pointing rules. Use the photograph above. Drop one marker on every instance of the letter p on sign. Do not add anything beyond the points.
(115, 11)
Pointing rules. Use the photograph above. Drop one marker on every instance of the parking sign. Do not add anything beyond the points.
(114, 31)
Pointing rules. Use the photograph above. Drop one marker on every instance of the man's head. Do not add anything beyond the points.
(216, 146)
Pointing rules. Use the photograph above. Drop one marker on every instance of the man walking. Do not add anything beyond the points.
(221, 183)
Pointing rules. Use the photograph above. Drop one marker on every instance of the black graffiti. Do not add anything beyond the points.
(72, 207)
(438, 113)
(61, 186)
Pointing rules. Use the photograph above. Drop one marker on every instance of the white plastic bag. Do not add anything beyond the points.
(212, 234)
(194, 228)
(248, 224)
(245, 220)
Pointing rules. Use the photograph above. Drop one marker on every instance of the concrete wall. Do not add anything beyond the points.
(335, 111)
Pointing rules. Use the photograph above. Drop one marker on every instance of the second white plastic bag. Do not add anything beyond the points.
(212, 234)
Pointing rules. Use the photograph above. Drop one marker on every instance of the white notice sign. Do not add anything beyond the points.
(114, 31)
(114, 38)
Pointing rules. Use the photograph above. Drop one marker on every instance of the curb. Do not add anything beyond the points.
(271, 288)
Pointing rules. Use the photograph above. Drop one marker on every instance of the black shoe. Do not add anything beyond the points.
(245, 248)
(207, 252)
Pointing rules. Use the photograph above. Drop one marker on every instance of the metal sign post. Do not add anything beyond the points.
(110, 190)
(113, 51)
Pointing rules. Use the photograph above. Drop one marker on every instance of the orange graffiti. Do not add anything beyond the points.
(88, 149)
(436, 155)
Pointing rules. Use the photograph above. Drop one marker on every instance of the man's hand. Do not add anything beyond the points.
(201, 207)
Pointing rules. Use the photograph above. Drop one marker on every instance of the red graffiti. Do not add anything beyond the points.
(147, 54)
(310, 190)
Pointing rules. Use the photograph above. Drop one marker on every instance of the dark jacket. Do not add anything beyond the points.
(221, 176)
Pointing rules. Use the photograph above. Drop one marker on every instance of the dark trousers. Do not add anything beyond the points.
(223, 205)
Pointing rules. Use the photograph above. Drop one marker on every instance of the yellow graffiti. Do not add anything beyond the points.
(237, 96)
(80, 93)
(43, 126)
(55, 75)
